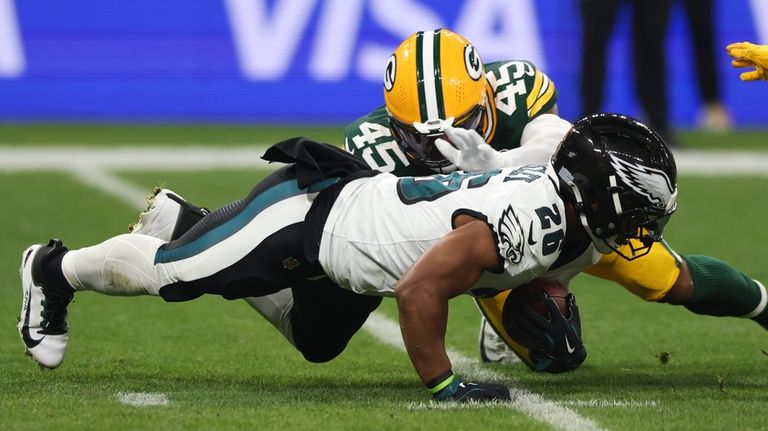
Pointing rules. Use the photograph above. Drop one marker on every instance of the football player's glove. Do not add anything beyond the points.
(746, 54)
(554, 344)
(469, 151)
(458, 391)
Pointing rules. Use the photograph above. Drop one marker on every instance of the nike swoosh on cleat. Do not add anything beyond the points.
(25, 335)
(530, 236)
(568, 345)
(28, 340)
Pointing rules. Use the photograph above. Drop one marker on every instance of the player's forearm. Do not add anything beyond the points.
(447, 269)
(539, 140)
(423, 321)
(546, 130)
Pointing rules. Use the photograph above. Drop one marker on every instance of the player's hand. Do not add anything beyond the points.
(469, 151)
(555, 343)
(747, 54)
(477, 392)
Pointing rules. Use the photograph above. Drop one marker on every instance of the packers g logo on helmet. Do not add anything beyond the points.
(433, 80)
(473, 62)
(390, 72)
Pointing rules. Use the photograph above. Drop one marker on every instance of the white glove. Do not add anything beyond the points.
(469, 151)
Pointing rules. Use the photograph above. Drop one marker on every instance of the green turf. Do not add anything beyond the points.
(736, 140)
(152, 134)
(222, 367)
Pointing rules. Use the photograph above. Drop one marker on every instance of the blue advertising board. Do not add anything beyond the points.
(314, 61)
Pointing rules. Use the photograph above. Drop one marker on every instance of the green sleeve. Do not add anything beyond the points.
(521, 93)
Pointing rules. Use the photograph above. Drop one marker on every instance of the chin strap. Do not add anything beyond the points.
(599, 243)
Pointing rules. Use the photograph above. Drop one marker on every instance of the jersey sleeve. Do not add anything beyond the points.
(519, 86)
(521, 92)
(542, 94)
(529, 225)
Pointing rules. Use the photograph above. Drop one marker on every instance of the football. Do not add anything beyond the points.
(530, 294)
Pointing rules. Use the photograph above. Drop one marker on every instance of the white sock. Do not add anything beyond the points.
(123, 265)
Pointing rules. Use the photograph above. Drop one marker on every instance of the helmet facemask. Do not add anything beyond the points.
(418, 140)
(622, 182)
(629, 233)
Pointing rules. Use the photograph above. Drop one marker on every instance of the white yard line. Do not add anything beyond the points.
(634, 404)
(130, 158)
(142, 399)
(716, 163)
(201, 158)
(112, 185)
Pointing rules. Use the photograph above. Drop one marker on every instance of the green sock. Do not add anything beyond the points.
(721, 290)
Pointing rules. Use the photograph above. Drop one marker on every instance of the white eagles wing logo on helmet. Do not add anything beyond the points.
(511, 236)
(649, 182)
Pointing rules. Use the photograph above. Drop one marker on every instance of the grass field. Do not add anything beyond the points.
(216, 364)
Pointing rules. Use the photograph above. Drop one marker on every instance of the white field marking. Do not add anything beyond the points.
(112, 185)
(143, 399)
(610, 403)
(717, 163)
(442, 405)
(131, 158)
(437, 405)
(532, 404)
(13, 159)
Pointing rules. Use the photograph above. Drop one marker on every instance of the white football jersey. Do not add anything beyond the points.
(379, 226)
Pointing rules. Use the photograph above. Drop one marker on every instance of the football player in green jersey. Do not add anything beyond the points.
(437, 79)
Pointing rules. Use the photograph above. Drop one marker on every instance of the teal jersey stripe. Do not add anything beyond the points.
(223, 231)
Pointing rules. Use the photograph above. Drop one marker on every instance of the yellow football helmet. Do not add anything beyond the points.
(433, 80)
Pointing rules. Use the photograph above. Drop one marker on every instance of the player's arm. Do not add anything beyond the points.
(526, 98)
(541, 94)
(447, 269)
(469, 152)
(746, 54)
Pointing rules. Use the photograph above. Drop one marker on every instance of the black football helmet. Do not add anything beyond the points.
(622, 179)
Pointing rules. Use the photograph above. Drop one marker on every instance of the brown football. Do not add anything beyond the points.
(530, 294)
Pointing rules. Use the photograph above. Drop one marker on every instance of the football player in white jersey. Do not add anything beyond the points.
(612, 183)
(512, 106)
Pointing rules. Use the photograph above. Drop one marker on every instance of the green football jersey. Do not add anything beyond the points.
(520, 93)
